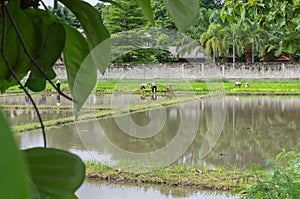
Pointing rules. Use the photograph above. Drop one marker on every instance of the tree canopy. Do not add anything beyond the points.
(127, 16)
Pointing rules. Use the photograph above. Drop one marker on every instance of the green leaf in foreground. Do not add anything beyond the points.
(13, 183)
(51, 40)
(95, 31)
(55, 173)
(146, 7)
(81, 70)
(183, 12)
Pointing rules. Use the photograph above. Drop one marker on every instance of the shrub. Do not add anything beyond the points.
(277, 180)
(147, 55)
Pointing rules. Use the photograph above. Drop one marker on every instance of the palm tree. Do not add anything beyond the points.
(211, 40)
(234, 39)
(255, 39)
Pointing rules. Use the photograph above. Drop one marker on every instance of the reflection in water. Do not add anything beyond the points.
(42, 99)
(58, 99)
(27, 100)
(255, 128)
(25, 116)
(92, 100)
(95, 191)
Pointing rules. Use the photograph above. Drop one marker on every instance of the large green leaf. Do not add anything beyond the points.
(13, 180)
(183, 12)
(84, 75)
(146, 7)
(51, 36)
(44, 38)
(55, 173)
(13, 50)
(94, 29)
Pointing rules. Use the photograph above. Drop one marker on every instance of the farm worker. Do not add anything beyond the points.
(57, 94)
(153, 87)
(169, 88)
(238, 84)
(58, 85)
(143, 86)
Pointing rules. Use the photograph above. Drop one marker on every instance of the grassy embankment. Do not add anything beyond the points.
(200, 177)
(255, 86)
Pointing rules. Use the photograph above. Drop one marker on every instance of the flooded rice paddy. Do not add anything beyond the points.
(228, 131)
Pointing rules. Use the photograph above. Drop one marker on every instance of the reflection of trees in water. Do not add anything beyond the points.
(255, 128)
(65, 137)
(140, 145)
(163, 190)
(26, 116)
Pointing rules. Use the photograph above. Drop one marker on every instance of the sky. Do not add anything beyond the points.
(50, 2)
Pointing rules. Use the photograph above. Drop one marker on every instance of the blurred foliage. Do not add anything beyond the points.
(278, 180)
(146, 55)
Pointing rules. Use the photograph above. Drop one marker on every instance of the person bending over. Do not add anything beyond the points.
(153, 87)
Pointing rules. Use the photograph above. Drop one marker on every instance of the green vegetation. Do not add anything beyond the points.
(127, 16)
(255, 86)
(280, 179)
(177, 175)
(239, 30)
(146, 56)
(266, 87)
(33, 39)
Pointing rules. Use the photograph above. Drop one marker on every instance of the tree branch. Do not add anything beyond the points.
(44, 5)
(15, 75)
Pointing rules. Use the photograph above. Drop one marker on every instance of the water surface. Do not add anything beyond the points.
(253, 129)
(97, 191)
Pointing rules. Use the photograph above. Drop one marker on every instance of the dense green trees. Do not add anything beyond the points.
(65, 15)
(257, 29)
(161, 16)
(126, 17)
(279, 20)
(212, 41)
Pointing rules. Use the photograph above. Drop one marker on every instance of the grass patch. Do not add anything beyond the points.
(268, 86)
(199, 177)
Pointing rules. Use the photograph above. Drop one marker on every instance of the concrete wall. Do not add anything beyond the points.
(197, 71)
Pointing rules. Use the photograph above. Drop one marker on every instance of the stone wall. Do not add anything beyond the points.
(197, 71)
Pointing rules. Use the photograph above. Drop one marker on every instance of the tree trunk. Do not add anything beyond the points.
(252, 52)
(233, 50)
(214, 56)
(291, 57)
(248, 53)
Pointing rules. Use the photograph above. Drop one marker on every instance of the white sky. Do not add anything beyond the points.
(50, 2)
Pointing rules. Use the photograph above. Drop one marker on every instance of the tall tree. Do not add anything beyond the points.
(161, 16)
(128, 17)
(212, 41)
(65, 15)
(255, 40)
(206, 17)
(271, 15)
(233, 39)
